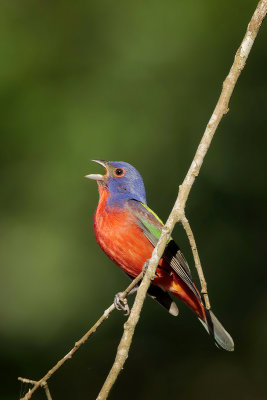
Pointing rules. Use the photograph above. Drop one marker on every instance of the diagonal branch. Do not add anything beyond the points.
(43, 384)
(105, 315)
(178, 211)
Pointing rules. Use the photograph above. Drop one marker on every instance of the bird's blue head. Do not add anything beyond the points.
(121, 180)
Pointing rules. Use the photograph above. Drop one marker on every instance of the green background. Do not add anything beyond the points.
(133, 81)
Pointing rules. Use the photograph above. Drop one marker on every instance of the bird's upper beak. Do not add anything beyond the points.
(99, 177)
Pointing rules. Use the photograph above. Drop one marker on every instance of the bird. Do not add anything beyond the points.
(127, 230)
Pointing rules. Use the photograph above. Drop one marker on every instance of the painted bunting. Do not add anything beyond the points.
(127, 230)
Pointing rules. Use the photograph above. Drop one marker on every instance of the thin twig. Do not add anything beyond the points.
(43, 384)
(78, 344)
(191, 238)
(178, 210)
(47, 392)
(26, 380)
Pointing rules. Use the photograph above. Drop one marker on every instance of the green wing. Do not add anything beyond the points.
(151, 225)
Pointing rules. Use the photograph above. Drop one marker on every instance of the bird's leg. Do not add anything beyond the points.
(121, 303)
(145, 266)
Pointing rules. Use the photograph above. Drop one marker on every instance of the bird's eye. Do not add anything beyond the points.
(119, 172)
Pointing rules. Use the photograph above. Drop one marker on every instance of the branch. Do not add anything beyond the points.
(105, 315)
(44, 385)
(176, 215)
(178, 212)
(191, 238)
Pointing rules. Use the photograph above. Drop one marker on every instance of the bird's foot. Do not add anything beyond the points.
(121, 303)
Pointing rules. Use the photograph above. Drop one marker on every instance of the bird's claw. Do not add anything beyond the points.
(121, 303)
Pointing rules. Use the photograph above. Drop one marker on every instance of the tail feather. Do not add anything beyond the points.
(164, 299)
(221, 337)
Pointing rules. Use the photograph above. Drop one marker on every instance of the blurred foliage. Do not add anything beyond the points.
(132, 81)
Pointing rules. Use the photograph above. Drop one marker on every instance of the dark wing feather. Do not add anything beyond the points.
(151, 225)
(179, 265)
(162, 297)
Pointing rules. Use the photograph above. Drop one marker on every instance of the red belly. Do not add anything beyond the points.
(119, 236)
(122, 240)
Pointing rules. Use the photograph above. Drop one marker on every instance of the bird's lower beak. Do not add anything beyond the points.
(95, 177)
(98, 177)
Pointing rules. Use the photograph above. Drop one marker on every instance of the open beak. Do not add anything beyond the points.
(98, 177)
